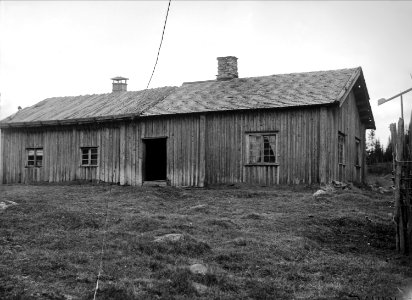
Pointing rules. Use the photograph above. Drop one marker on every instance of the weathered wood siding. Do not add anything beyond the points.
(61, 153)
(201, 148)
(298, 146)
(346, 120)
(120, 150)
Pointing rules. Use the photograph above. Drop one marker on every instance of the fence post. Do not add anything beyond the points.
(399, 201)
(395, 144)
(407, 200)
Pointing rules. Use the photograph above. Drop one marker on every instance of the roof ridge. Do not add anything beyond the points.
(271, 75)
(119, 93)
(306, 72)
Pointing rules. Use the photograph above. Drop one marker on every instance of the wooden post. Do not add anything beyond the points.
(1, 157)
(407, 201)
(402, 107)
(393, 141)
(397, 175)
(399, 216)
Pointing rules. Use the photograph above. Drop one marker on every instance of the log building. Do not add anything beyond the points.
(278, 129)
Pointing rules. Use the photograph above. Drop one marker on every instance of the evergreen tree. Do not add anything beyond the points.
(388, 155)
(370, 148)
(378, 152)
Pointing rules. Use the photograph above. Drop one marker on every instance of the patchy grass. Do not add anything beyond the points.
(257, 243)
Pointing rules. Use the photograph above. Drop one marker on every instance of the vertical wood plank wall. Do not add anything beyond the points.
(120, 150)
(201, 149)
(346, 120)
(298, 146)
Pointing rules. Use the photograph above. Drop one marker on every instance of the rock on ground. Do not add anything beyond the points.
(5, 204)
(320, 193)
(198, 269)
(171, 237)
(200, 288)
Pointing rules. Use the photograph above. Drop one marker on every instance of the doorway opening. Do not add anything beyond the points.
(154, 159)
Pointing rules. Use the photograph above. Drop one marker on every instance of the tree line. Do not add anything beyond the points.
(375, 151)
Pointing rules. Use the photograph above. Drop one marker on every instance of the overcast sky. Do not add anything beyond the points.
(71, 48)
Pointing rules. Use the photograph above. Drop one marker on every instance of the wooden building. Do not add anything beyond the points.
(278, 129)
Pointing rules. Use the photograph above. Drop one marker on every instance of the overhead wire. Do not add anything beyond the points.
(160, 46)
(107, 201)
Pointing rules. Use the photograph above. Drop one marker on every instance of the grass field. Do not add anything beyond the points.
(257, 243)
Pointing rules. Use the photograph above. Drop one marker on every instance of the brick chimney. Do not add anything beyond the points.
(226, 68)
(119, 84)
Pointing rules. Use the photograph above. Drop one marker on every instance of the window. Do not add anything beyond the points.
(89, 156)
(262, 148)
(341, 156)
(34, 157)
(341, 148)
(357, 153)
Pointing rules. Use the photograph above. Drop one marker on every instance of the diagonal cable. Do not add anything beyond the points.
(160, 46)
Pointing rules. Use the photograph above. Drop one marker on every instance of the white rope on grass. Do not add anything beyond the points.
(103, 246)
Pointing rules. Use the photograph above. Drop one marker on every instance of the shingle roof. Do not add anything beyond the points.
(275, 91)
(100, 106)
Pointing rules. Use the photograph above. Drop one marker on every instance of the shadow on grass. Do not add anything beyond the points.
(345, 234)
(113, 293)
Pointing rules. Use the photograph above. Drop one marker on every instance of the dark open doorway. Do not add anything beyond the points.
(154, 159)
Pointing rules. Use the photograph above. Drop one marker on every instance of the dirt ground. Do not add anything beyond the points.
(253, 242)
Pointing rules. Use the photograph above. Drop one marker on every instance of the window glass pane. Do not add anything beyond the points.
(270, 159)
(31, 157)
(31, 152)
(269, 149)
(89, 156)
(39, 152)
(341, 147)
(262, 148)
(259, 149)
(30, 163)
(38, 163)
(252, 158)
(252, 141)
(253, 148)
(358, 153)
(272, 139)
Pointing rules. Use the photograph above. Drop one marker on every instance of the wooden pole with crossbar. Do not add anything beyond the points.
(383, 100)
(403, 209)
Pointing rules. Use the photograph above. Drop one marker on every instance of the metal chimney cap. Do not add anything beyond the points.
(118, 78)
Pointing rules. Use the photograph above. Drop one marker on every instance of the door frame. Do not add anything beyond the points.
(144, 154)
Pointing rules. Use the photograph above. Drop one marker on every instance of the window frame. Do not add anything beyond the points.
(89, 158)
(341, 137)
(261, 148)
(35, 159)
(358, 157)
